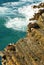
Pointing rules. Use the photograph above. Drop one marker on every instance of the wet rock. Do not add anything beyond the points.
(39, 6)
(33, 25)
(4, 57)
(11, 48)
(29, 50)
(37, 15)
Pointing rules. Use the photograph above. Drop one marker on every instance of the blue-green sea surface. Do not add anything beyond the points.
(14, 18)
(7, 35)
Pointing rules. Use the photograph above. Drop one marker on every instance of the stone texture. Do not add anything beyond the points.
(29, 50)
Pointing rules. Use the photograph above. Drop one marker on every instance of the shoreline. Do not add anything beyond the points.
(28, 50)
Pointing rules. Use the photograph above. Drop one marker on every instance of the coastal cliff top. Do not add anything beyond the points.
(29, 50)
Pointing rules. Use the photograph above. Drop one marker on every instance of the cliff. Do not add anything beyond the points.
(29, 50)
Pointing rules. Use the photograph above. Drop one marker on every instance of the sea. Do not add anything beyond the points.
(14, 18)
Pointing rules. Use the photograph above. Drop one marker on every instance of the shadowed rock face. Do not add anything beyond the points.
(29, 50)
(33, 25)
(36, 16)
(11, 48)
(39, 6)
(4, 57)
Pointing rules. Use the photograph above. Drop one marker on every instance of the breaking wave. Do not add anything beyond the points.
(21, 13)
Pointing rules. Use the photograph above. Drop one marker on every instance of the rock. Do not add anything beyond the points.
(41, 5)
(36, 16)
(33, 25)
(1, 54)
(29, 50)
(10, 48)
(34, 6)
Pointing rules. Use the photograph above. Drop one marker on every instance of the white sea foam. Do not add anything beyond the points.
(27, 0)
(19, 23)
(33, 0)
(3, 9)
(13, 4)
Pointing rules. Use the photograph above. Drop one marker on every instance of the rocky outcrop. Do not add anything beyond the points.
(41, 5)
(29, 50)
(40, 11)
(33, 25)
(36, 16)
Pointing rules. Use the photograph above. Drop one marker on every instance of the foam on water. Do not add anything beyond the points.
(22, 12)
(13, 4)
(3, 9)
(27, 0)
(19, 23)
(32, 0)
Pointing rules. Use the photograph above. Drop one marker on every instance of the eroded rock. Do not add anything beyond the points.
(29, 50)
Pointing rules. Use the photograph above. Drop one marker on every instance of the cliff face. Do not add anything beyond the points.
(30, 50)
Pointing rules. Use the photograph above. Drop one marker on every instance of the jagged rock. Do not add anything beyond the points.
(10, 48)
(39, 6)
(29, 50)
(36, 16)
(33, 25)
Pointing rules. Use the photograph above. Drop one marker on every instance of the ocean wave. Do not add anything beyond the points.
(17, 24)
(33, 0)
(25, 11)
(26, 0)
(3, 9)
(21, 23)
(13, 4)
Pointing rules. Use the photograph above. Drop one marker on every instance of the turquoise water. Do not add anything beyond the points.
(13, 24)
(8, 35)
